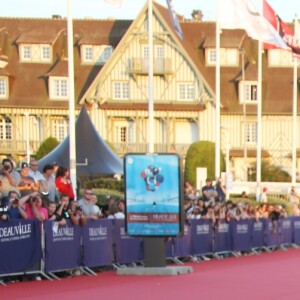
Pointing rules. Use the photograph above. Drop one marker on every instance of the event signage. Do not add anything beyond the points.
(153, 194)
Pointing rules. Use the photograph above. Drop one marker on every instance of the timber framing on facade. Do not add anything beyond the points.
(111, 80)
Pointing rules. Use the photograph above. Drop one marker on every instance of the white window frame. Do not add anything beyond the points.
(124, 131)
(251, 133)
(280, 58)
(5, 128)
(99, 54)
(60, 128)
(58, 88)
(248, 92)
(186, 91)
(34, 53)
(4, 88)
(229, 57)
(121, 90)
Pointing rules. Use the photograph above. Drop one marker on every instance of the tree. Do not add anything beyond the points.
(46, 147)
(270, 173)
(202, 155)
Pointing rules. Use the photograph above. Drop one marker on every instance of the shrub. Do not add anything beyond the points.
(46, 147)
(202, 154)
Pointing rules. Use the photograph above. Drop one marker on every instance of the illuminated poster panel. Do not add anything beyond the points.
(153, 194)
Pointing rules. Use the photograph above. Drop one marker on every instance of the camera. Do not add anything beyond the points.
(6, 167)
(33, 199)
(16, 201)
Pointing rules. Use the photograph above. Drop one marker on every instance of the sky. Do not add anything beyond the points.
(99, 9)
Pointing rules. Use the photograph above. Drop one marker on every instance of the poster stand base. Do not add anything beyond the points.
(176, 270)
(155, 261)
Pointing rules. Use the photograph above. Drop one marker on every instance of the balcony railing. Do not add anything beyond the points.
(161, 66)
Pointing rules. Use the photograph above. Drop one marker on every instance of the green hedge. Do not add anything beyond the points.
(106, 183)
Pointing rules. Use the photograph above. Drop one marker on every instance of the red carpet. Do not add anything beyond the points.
(267, 276)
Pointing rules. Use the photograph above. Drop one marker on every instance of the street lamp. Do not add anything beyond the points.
(27, 136)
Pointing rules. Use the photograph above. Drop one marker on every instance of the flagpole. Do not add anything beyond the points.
(150, 80)
(218, 96)
(72, 133)
(294, 151)
(259, 115)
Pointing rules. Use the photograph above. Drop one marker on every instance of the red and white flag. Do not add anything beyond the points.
(117, 3)
(174, 19)
(242, 14)
(291, 39)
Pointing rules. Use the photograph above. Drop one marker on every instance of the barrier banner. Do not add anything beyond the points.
(20, 245)
(258, 233)
(272, 233)
(222, 237)
(241, 234)
(286, 231)
(183, 244)
(127, 249)
(97, 243)
(201, 231)
(296, 229)
(169, 244)
(62, 246)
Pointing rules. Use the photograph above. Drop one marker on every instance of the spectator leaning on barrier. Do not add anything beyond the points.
(15, 209)
(34, 206)
(87, 205)
(97, 209)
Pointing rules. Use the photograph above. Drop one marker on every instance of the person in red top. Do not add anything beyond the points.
(63, 182)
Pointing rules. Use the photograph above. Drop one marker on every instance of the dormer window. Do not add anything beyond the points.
(248, 92)
(4, 87)
(58, 88)
(229, 57)
(91, 54)
(36, 53)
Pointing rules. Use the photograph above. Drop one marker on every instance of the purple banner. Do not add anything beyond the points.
(169, 244)
(272, 233)
(296, 230)
(62, 246)
(20, 245)
(258, 233)
(201, 231)
(97, 243)
(127, 249)
(241, 234)
(222, 237)
(183, 244)
(286, 231)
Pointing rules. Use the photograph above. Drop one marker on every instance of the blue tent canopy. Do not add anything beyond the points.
(93, 156)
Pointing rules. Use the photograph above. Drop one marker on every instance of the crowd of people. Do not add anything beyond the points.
(210, 203)
(49, 195)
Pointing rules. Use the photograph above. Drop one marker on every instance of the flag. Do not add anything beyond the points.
(174, 19)
(291, 39)
(117, 3)
(242, 14)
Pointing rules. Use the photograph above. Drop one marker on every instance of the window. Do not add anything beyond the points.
(229, 57)
(251, 133)
(186, 92)
(124, 132)
(5, 128)
(96, 54)
(58, 88)
(248, 91)
(36, 53)
(60, 128)
(121, 90)
(3, 88)
(280, 58)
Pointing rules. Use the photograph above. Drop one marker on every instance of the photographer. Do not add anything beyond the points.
(64, 211)
(9, 178)
(16, 210)
(34, 206)
(4, 212)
